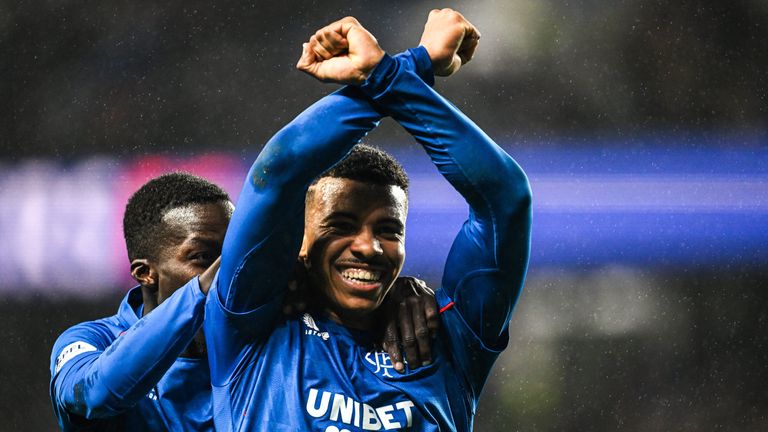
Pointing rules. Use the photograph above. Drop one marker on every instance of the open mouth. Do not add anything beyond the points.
(362, 279)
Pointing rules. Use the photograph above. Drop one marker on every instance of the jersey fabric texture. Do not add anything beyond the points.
(272, 373)
(123, 373)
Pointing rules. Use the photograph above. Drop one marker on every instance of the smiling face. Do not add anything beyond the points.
(354, 245)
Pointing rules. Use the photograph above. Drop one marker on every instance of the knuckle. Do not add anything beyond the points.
(413, 301)
(422, 332)
(409, 341)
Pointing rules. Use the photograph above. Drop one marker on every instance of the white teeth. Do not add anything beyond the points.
(361, 275)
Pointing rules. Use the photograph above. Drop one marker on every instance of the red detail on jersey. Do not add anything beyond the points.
(122, 333)
(446, 307)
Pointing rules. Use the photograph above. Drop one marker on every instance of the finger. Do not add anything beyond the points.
(392, 346)
(320, 51)
(307, 58)
(347, 20)
(467, 50)
(407, 335)
(429, 305)
(332, 40)
(431, 315)
(421, 288)
(420, 330)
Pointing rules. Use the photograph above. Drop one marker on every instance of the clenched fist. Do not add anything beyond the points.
(342, 52)
(450, 40)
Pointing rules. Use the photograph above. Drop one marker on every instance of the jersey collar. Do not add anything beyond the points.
(131, 307)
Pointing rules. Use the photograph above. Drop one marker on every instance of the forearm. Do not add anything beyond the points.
(493, 184)
(106, 384)
(493, 245)
(264, 236)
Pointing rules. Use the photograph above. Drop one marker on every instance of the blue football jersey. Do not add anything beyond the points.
(312, 374)
(270, 373)
(123, 373)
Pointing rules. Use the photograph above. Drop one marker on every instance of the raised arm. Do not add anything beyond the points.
(264, 236)
(487, 263)
(95, 376)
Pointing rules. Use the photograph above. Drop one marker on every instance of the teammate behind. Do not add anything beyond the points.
(130, 373)
(346, 220)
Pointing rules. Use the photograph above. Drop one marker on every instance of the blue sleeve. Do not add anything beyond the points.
(264, 236)
(486, 266)
(95, 375)
(262, 242)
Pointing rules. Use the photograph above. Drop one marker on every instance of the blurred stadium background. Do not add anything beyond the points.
(642, 124)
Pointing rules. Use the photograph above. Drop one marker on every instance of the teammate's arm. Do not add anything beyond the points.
(94, 376)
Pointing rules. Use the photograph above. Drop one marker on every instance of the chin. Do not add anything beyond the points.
(359, 306)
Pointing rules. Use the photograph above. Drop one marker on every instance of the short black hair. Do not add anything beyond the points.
(143, 227)
(369, 164)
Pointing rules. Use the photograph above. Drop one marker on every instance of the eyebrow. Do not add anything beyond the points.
(205, 241)
(351, 216)
(341, 215)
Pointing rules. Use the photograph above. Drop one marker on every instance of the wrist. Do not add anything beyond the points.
(380, 77)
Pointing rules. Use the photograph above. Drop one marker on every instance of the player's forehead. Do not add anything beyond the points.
(341, 195)
(199, 220)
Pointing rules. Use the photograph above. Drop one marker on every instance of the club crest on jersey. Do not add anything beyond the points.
(381, 361)
(312, 328)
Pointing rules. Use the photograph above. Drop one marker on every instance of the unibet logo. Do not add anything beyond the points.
(338, 407)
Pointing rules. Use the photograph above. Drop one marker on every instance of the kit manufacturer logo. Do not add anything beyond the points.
(312, 328)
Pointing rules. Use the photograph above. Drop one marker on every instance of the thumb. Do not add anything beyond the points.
(307, 59)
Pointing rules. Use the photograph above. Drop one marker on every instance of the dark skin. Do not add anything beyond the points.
(194, 246)
(354, 249)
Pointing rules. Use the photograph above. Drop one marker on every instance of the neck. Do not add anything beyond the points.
(148, 299)
(351, 320)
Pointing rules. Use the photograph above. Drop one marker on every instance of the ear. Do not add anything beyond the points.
(304, 252)
(144, 273)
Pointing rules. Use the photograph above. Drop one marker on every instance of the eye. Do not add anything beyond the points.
(342, 227)
(391, 231)
(202, 257)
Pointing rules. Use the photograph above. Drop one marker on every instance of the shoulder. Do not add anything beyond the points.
(85, 337)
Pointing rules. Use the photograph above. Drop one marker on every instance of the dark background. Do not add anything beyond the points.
(612, 346)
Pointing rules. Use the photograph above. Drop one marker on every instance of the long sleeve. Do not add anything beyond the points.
(264, 236)
(265, 233)
(486, 266)
(96, 374)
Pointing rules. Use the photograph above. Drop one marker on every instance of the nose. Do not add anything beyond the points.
(366, 245)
